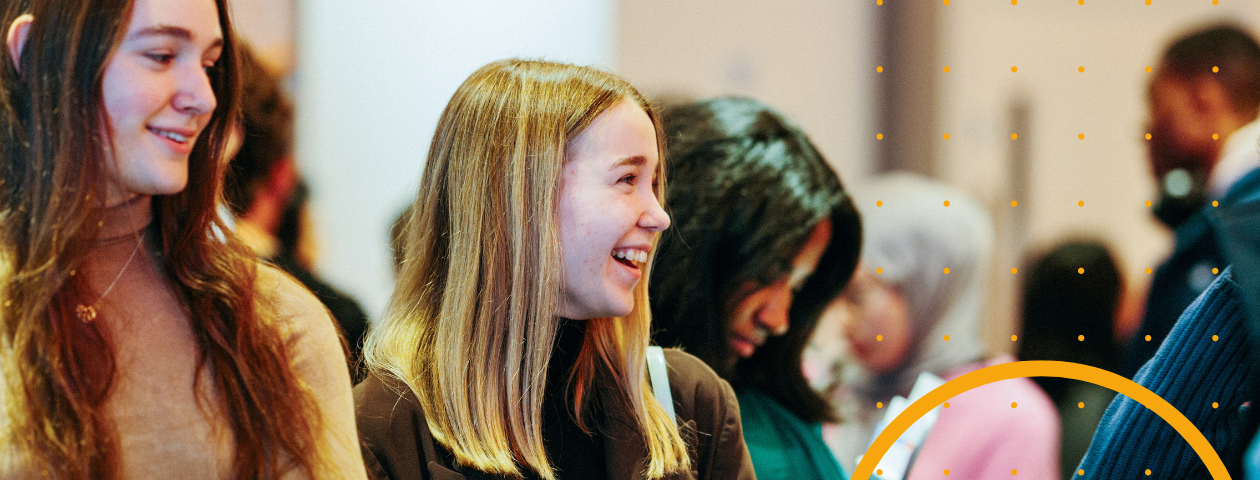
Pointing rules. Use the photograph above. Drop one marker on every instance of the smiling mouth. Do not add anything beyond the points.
(173, 136)
(630, 257)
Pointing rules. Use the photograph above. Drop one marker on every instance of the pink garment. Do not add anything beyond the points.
(981, 437)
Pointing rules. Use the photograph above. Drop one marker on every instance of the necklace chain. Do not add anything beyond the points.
(87, 313)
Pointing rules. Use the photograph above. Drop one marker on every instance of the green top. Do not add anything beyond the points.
(783, 446)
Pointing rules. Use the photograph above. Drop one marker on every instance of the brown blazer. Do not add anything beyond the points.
(397, 444)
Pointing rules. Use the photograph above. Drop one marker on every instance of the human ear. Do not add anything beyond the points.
(16, 39)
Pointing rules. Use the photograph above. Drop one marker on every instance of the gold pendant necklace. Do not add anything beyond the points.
(87, 313)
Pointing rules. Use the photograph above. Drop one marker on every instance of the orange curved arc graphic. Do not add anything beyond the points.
(1070, 370)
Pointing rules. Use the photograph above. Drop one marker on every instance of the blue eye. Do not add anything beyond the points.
(629, 179)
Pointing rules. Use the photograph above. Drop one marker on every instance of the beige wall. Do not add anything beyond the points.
(810, 59)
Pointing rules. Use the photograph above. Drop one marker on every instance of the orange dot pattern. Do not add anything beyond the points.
(947, 203)
(947, 270)
(947, 338)
(1014, 338)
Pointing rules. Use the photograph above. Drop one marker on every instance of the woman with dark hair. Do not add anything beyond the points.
(139, 338)
(1062, 302)
(764, 237)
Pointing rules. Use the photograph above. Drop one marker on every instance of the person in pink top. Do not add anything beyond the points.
(925, 262)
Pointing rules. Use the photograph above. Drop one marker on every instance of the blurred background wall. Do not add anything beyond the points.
(370, 78)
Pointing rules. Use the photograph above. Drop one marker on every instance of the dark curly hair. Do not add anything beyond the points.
(746, 190)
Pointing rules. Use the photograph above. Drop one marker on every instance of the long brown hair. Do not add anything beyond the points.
(472, 322)
(57, 371)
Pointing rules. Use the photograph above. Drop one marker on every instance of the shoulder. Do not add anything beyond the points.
(381, 400)
(303, 321)
(390, 423)
(289, 299)
(696, 385)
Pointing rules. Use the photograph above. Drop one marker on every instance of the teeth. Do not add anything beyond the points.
(632, 255)
(172, 135)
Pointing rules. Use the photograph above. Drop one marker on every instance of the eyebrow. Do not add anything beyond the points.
(635, 161)
(172, 31)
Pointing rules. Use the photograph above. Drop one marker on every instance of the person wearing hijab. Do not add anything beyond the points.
(916, 305)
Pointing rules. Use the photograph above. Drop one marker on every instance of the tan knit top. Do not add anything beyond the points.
(162, 430)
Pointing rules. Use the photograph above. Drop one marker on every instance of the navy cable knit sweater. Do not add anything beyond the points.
(1191, 371)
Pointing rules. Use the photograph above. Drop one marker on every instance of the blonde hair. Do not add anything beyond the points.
(472, 322)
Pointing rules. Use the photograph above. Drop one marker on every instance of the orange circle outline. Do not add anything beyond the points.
(1040, 368)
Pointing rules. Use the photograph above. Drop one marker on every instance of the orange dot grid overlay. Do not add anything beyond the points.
(1040, 368)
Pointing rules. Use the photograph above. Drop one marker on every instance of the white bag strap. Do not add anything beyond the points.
(657, 371)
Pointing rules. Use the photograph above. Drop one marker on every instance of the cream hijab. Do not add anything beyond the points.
(913, 237)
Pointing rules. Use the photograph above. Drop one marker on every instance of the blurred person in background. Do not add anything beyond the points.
(268, 197)
(1204, 100)
(896, 315)
(1061, 304)
(763, 236)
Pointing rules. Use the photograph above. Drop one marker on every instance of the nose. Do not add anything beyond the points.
(195, 96)
(654, 217)
(774, 315)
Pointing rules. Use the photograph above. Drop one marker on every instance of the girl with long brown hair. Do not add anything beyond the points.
(515, 342)
(139, 338)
